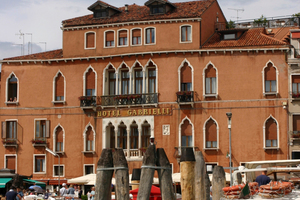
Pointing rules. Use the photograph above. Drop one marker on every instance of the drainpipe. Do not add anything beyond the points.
(200, 34)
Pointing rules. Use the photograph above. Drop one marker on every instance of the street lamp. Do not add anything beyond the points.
(229, 115)
(55, 154)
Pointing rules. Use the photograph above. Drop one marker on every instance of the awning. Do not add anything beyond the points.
(36, 182)
(3, 182)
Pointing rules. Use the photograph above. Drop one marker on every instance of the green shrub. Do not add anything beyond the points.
(84, 197)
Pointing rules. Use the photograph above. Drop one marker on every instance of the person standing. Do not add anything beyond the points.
(63, 191)
(12, 194)
(71, 191)
(19, 191)
(93, 193)
(89, 195)
(262, 179)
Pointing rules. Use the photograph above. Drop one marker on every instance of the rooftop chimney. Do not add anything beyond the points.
(126, 7)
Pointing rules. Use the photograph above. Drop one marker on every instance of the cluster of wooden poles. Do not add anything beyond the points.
(195, 183)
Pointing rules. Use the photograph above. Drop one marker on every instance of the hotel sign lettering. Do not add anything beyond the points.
(134, 112)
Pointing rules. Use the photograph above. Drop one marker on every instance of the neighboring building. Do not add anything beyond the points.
(294, 90)
(127, 74)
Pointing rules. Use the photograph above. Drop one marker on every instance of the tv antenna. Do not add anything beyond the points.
(20, 34)
(237, 12)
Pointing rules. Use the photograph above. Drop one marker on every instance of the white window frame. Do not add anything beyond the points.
(119, 78)
(263, 78)
(131, 41)
(84, 137)
(84, 80)
(193, 132)
(16, 160)
(291, 82)
(204, 82)
(12, 120)
(61, 165)
(105, 89)
(146, 76)
(54, 139)
(180, 41)
(34, 155)
(34, 125)
(145, 36)
(210, 163)
(18, 88)
(104, 46)
(65, 86)
(179, 73)
(264, 134)
(204, 135)
(118, 37)
(84, 165)
(133, 77)
(85, 34)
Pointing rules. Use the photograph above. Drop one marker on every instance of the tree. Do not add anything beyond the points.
(262, 21)
(230, 24)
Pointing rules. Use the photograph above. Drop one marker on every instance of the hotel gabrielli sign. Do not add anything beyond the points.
(134, 112)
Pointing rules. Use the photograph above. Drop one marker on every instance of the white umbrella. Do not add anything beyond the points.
(89, 179)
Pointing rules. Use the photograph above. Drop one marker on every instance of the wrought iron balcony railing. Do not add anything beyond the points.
(88, 101)
(185, 96)
(130, 99)
(9, 141)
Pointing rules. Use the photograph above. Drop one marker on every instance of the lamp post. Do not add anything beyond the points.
(55, 154)
(229, 115)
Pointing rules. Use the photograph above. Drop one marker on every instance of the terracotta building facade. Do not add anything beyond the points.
(168, 71)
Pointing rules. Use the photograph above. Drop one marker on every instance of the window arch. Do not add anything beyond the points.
(12, 89)
(89, 137)
(59, 84)
(211, 134)
(185, 75)
(186, 133)
(270, 79)
(136, 36)
(210, 80)
(59, 139)
(138, 78)
(125, 79)
(90, 40)
(90, 82)
(271, 133)
(151, 77)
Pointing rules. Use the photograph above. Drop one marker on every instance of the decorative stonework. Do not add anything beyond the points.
(166, 129)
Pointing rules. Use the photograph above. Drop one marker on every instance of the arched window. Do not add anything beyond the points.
(186, 134)
(136, 37)
(112, 136)
(138, 78)
(134, 136)
(109, 39)
(271, 133)
(90, 83)
(90, 139)
(210, 80)
(125, 79)
(146, 133)
(59, 139)
(186, 78)
(270, 79)
(122, 136)
(151, 71)
(59, 87)
(12, 89)
(150, 36)
(211, 135)
(90, 40)
(123, 38)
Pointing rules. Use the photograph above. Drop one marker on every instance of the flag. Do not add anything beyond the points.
(245, 193)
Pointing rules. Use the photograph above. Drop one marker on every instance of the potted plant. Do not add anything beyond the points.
(9, 141)
(38, 141)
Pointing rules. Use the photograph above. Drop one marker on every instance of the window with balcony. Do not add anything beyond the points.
(211, 134)
(270, 79)
(90, 87)
(123, 38)
(90, 40)
(296, 126)
(59, 87)
(42, 128)
(59, 138)
(185, 93)
(271, 131)
(88, 169)
(12, 89)
(39, 163)
(150, 36)
(89, 139)
(58, 170)
(138, 79)
(11, 162)
(109, 39)
(125, 81)
(296, 86)
(10, 132)
(186, 33)
(210, 81)
(136, 37)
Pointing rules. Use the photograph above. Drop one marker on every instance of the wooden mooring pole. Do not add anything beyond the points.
(200, 172)
(104, 175)
(165, 175)
(148, 168)
(187, 169)
(218, 182)
(121, 175)
(207, 187)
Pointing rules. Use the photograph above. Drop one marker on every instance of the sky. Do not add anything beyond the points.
(40, 20)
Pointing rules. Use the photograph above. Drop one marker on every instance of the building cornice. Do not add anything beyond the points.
(152, 53)
(180, 20)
